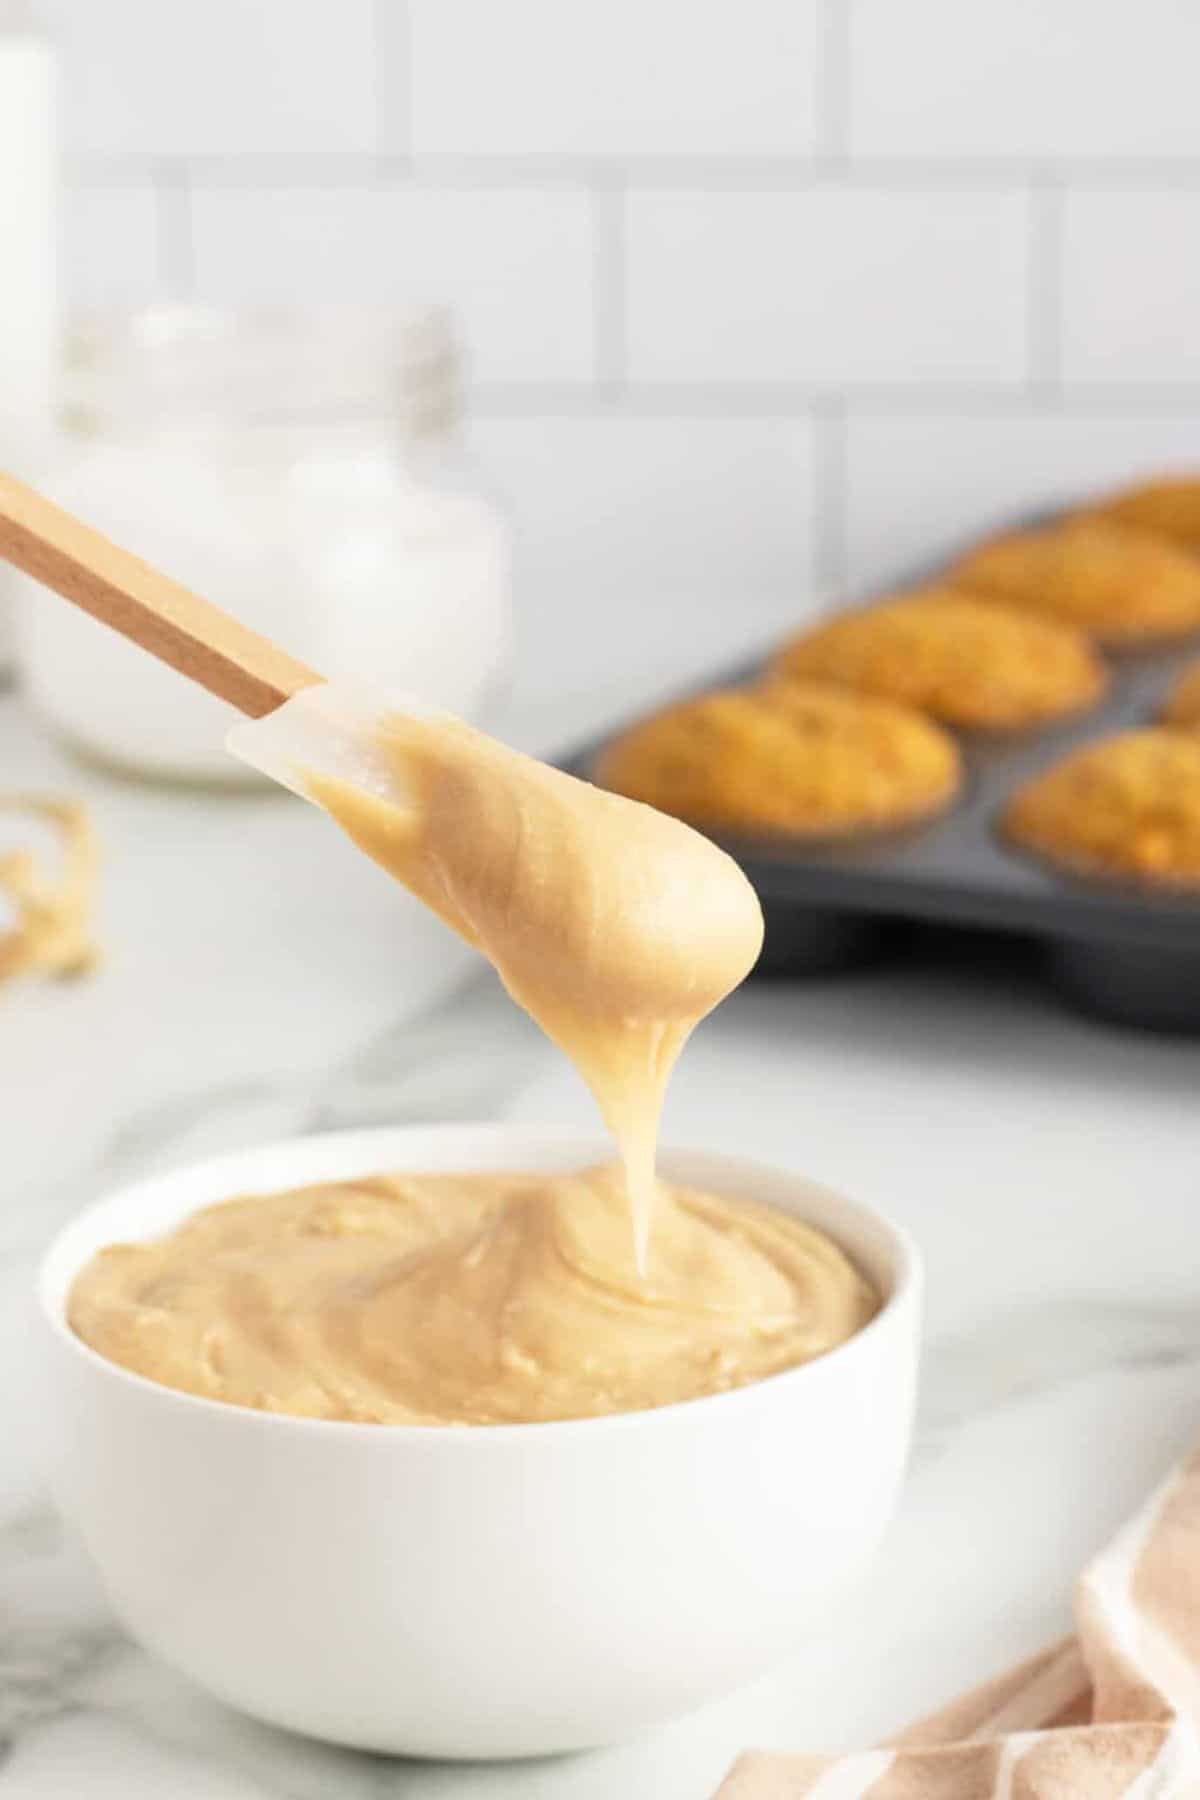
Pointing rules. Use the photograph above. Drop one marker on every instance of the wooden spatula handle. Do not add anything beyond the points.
(168, 620)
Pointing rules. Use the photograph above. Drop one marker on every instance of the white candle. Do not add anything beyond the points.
(28, 285)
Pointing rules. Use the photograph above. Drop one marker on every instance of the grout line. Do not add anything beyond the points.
(176, 242)
(782, 401)
(303, 169)
(1045, 296)
(832, 92)
(831, 494)
(609, 289)
(447, 171)
(732, 174)
(392, 34)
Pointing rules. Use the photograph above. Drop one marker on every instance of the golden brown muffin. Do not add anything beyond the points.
(967, 661)
(1182, 705)
(1169, 507)
(1121, 586)
(1127, 806)
(786, 759)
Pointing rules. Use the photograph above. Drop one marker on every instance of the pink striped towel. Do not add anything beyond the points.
(1112, 1713)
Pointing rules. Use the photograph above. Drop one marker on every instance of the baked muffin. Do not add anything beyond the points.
(1182, 705)
(1121, 586)
(1127, 806)
(786, 759)
(1170, 508)
(967, 661)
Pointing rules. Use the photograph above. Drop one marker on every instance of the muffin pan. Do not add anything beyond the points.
(1124, 952)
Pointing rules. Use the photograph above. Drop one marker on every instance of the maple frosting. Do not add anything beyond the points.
(497, 1298)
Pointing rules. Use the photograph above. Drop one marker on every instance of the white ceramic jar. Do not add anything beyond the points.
(481, 1590)
(303, 470)
(28, 260)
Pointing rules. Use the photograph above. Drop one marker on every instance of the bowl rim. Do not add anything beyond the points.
(63, 1258)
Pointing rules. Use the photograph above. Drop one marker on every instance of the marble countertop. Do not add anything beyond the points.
(256, 984)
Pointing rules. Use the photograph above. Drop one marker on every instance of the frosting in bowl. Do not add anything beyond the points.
(469, 1299)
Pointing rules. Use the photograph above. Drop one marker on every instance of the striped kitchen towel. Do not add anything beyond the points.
(1112, 1713)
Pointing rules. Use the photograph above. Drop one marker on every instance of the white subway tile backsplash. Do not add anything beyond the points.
(675, 77)
(111, 245)
(843, 216)
(1075, 78)
(516, 265)
(725, 502)
(227, 78)
(691, 537)
(1131, 286)
(916, 487)
(827, 286)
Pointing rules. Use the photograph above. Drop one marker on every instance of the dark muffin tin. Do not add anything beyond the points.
(1127, 953)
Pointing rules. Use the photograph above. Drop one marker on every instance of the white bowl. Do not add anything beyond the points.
(479, 1591)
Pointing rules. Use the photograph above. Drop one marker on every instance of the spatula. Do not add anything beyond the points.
(192, 635)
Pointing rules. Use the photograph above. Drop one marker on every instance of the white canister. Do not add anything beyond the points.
(304, 470)
(28, 286)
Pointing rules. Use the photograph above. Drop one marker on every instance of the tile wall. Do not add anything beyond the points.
(762, 297)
